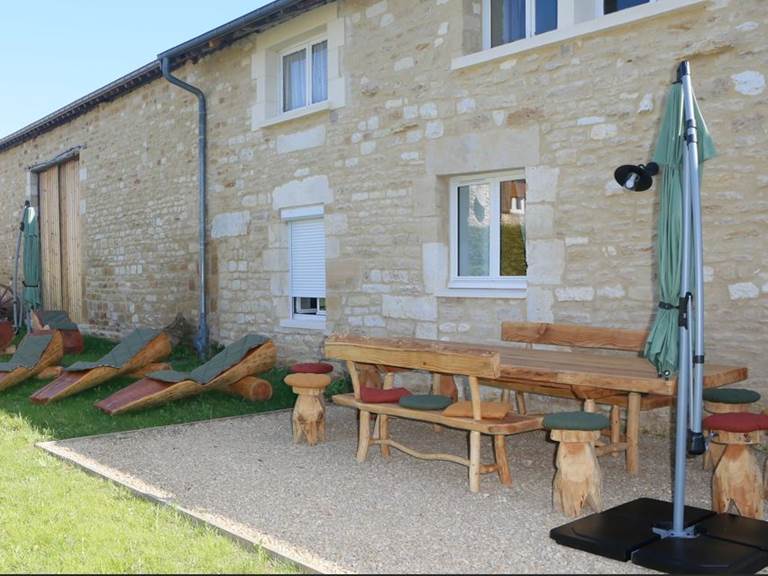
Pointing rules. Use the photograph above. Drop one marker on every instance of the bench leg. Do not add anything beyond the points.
(500, 451)
(738, 479)
(383, 421)
(522, 409)
(474, 462)
(590, 406)
(364, 441)
(633, 432)
(615, 427)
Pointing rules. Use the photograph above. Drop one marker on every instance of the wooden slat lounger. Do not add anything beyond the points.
(140, 348)
(250, 355)
(35, 354)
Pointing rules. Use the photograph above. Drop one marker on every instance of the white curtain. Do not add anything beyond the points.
(320, 72)
(474, 230)
(294, 80)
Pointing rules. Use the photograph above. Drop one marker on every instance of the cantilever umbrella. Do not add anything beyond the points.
(662, 347)
(31, 293)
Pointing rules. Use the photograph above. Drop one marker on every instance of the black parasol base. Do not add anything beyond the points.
(725, 544)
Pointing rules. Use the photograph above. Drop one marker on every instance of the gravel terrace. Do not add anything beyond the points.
(319, 506)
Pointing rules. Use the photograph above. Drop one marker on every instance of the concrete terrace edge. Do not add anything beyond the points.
(247, 537)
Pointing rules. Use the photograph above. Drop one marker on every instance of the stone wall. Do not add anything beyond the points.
(567, 114)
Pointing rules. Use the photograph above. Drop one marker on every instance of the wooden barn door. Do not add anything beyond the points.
(60, 228)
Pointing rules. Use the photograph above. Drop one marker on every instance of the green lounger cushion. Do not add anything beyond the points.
(223, 361)
(28, 353)
(731, 396)
(426, 402)
(121, 354)
(56, 320)
(585, 421)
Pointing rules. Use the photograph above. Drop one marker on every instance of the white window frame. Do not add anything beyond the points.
(305, 45)
(297, 320)
(494, 281)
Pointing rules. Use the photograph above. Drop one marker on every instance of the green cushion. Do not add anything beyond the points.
(426, 402)
(731, 396)
(586, 421)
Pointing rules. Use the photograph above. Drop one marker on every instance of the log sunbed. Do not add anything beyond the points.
(140, 348)
(250, 355)
(35, 354)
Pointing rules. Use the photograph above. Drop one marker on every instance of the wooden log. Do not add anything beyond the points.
(149, 368)
(309, 417)
(50, 373)
(251, 388)
(578, 480)
(737, 481)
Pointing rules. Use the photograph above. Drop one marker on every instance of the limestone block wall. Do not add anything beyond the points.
(566, 114)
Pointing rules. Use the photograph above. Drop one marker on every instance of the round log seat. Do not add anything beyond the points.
(737, 480)
(311, 368)
(426, 402)
(309, 412)
(578, 480)
(723, 401)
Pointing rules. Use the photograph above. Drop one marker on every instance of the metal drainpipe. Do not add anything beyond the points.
(201, 342)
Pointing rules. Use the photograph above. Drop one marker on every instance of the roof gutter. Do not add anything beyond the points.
(201, 341)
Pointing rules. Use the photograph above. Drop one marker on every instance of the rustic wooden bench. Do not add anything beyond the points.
(596, 338)
(438, 359)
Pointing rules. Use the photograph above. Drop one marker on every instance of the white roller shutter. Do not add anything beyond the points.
(308, 258)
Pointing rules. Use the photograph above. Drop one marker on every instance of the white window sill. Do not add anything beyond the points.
(596, 25)
(500, 293)
(295, 114)
(303, 323)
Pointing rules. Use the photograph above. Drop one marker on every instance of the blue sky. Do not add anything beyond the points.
(55, 51)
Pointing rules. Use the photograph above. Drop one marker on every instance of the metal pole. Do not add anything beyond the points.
(17, 312)
(693, 175)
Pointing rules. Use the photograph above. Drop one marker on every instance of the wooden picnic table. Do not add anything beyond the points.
(580, 374)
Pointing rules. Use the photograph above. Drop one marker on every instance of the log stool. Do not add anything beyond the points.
(578, 479)
(725, 401)
(737, 478)
(309, 413)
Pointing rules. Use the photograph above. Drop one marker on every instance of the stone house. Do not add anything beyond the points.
(422, 168)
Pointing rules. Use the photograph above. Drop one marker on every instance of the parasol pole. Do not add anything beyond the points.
(17, 306)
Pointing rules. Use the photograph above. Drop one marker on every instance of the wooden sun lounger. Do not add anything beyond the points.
(51, 356)
(150, 392)
(70, 383)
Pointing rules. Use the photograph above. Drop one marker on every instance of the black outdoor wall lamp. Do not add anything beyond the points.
(636, 178)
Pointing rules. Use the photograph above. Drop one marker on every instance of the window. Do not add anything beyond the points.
(510, 20)
(307, 268)
(304, 76)
(506, 21)
(611, 6)
(488, 231)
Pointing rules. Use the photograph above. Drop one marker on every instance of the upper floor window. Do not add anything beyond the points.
(488, 247)
(304, 75)
(506, 21)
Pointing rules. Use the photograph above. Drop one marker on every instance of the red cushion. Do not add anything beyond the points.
(737, 422)
(312, 368)
(376, 396)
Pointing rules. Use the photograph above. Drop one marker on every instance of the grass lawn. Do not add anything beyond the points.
(54, 518)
